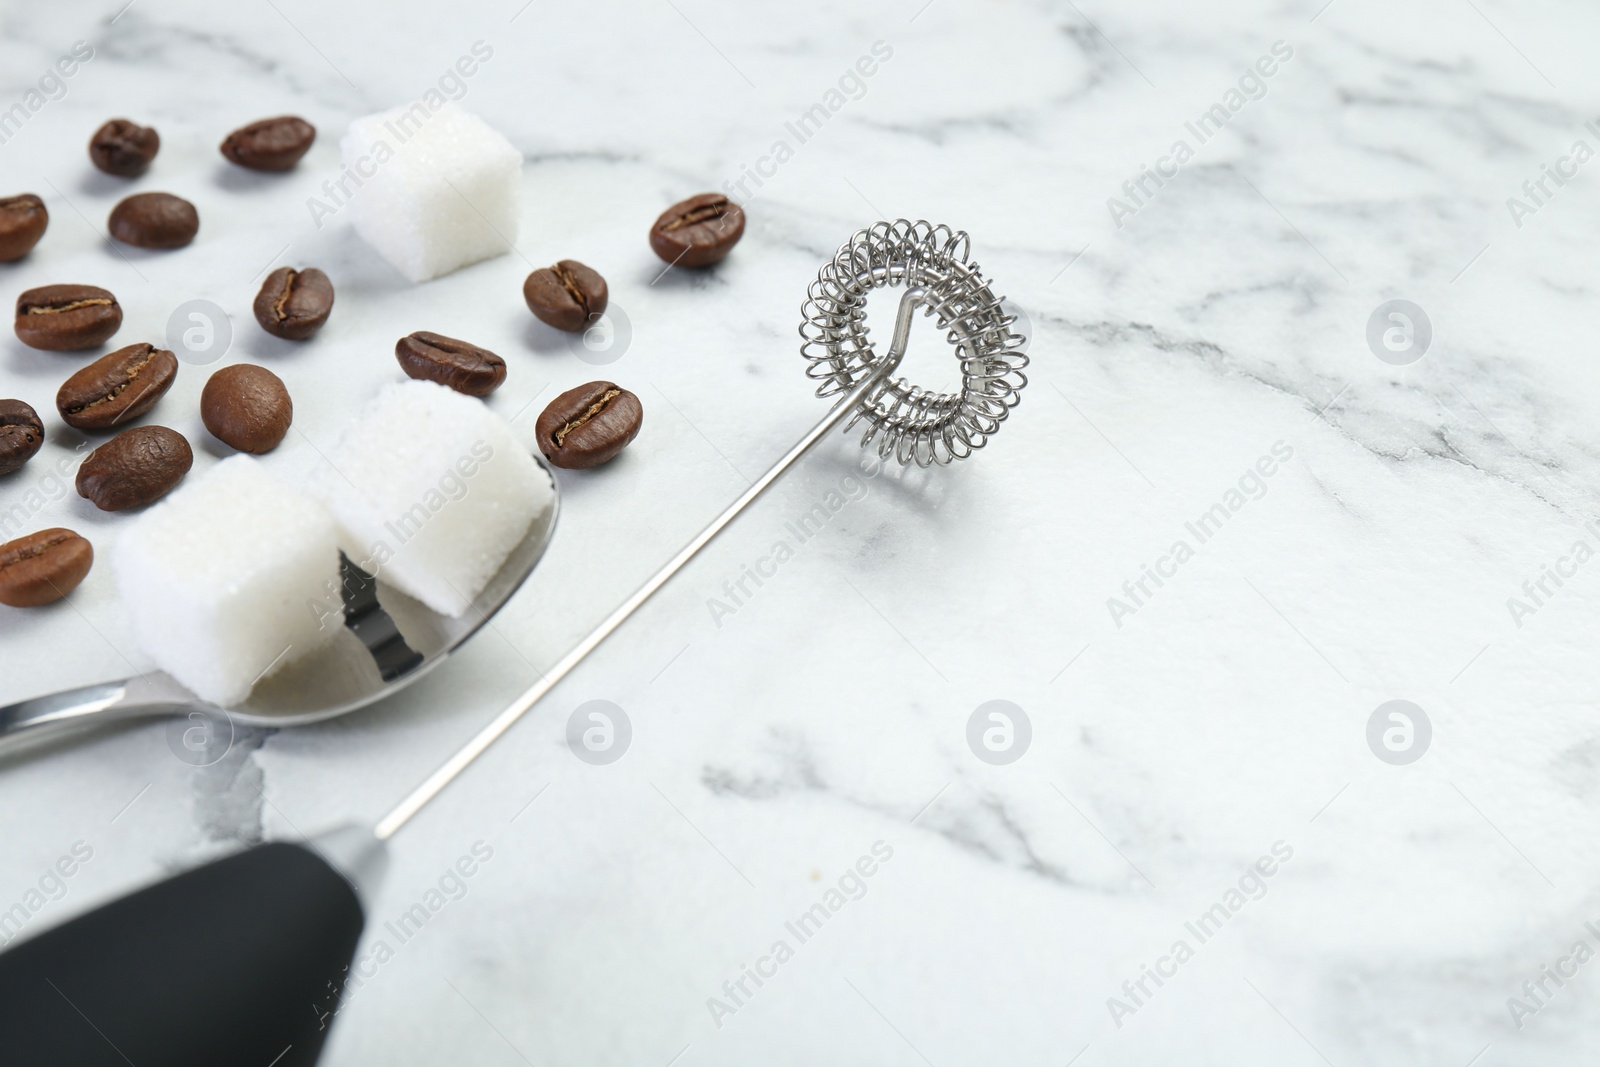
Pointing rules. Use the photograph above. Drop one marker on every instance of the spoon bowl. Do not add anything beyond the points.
(389, 641)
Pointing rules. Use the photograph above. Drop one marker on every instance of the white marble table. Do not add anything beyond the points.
(1180, 734)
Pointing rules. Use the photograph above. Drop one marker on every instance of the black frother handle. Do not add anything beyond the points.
(239, 962)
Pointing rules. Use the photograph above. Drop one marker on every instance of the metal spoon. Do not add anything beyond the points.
(389, 641)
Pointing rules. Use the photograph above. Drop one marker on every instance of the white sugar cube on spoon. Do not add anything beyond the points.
(433, 491)
(223, 578)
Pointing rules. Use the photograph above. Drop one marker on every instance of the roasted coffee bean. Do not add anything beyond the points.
(43, 567)
(134, 468)
(247, 407)
(22, 222)
(270, 144)
(568, 296)
(116, 388)
(464, 367)
(124, 148)
(293, 304)
(64, 318)
(699, 231)
(154, 220)
(586, 426)
(21, 434)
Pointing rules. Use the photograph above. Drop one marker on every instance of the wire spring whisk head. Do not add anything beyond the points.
(912, 424)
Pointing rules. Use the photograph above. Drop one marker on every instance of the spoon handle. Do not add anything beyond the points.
(50, 716)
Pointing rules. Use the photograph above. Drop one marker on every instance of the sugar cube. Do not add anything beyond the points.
(432, 491)
(220, 578)
(437, 189)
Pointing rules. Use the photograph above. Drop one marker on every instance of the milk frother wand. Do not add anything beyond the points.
(242, 960)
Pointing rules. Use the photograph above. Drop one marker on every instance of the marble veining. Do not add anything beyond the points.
(1172, 746)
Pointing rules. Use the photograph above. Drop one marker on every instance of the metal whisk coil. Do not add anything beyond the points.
(912, 424)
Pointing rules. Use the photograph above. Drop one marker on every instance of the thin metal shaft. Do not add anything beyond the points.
(502, 722)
